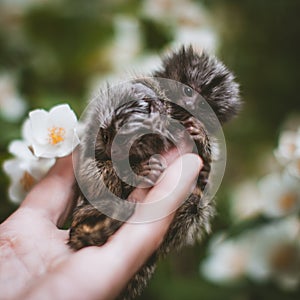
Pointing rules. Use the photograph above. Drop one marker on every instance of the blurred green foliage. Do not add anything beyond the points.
(260, 41)
(55, 48)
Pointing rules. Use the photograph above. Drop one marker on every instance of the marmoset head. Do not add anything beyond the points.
(204, 74)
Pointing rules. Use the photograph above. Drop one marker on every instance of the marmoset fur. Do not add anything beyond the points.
(116, 119)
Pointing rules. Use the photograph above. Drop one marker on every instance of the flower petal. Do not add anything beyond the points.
(44, 150)
(27, 132)
(20, 149)
(41, 167)
(53, 133)
(39, 125)
(16, 193)
(63, 116)
(11, 168)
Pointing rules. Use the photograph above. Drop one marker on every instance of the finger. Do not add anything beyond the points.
(139, 194)
(146, 237)
(53, 195)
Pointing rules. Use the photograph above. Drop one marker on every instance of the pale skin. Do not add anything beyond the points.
(36, 263)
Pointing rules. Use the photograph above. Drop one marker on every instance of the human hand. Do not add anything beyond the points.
(36, 263)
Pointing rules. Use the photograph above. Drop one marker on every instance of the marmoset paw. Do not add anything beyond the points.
(151, 170)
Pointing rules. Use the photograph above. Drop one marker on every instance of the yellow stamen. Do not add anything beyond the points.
(292, 148)
(288, 201)
(298, 165)
(284, 257)
(56, 135)
(27, 181)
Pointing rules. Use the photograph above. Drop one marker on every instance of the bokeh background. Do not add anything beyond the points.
(58, 51)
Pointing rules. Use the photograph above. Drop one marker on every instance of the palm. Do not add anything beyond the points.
(30, 242)
(30, 245)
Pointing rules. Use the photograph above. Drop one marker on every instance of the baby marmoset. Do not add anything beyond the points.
(131, 121)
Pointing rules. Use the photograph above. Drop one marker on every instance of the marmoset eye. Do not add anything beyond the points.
(188, 91)
(104, 136)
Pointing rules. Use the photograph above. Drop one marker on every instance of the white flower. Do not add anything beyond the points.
(25, 170)
(127, 43)
(293, 168)
(288, 152)
(26, 132)
(276, 253)
(46, 135)
(288, 146)
(227, 261)
(158, 9)
(179, 12)
(189, 22)
(53, 133)
(12, 106)
(270, 252)
(246, 201)
(280, 195)
(204, 36)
